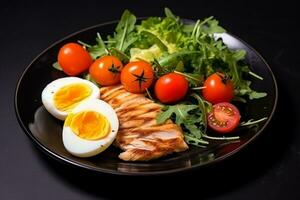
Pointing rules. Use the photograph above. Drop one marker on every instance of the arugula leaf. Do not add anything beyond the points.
(213, 27)
(169, 14)
(188, 28)
(187, 116)
(256, 95)
(57, 66)
(121, 55)
(180, 111)
(155, 40)
(127, 21)
(252, 122)
(173, 59)
(203, 109)
(195, 141)
(124, 34)
(239, 54)
(244, 89)
(99, 49)
(195, 80)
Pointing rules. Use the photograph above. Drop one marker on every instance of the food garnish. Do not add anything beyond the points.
(182, 66)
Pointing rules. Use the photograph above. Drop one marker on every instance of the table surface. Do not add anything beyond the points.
(268, 169)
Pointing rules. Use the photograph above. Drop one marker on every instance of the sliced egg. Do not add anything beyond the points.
(90, 128)
(62, 95)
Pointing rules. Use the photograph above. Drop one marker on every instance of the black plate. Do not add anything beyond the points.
(45, 131)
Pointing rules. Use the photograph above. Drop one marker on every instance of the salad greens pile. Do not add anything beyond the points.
(193, 49)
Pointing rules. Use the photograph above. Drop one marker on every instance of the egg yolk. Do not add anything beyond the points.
(88, 125)
(67, 97)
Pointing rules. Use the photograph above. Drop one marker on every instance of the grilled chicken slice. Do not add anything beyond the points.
(139, 136)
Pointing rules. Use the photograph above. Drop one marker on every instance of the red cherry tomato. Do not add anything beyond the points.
(224, 117)
(171, 88)
(137, 76)
(106, 70)
(74, 59)
(218, 89)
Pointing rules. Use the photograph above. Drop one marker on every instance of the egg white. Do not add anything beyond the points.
(85, 148)
(50, 90)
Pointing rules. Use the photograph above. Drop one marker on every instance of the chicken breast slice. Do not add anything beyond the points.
(139, 135)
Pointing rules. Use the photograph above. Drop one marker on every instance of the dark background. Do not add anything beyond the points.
(268, 169)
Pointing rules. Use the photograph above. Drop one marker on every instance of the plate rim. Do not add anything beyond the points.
(65, 160)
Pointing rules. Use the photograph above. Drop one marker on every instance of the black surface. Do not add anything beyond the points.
(267, 169)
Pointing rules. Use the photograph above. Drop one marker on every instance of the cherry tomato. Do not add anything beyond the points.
(218, 89)
(106, 70)
(224, 117)
(171, 88)
(137, 76)
(74, 59)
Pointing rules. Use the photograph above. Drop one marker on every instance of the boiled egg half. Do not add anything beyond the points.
(61, 96)
(90, 128)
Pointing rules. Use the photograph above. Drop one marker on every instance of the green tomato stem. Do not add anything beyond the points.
(183, 74)
(123, 36)
(255, 75)
(253, 122)
(195, 139)
(198, 88)
(84, 44)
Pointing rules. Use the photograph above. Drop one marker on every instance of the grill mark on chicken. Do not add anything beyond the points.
(117, 93)
(116, 102)
(129, 114)
(139, 135)
(106, 91)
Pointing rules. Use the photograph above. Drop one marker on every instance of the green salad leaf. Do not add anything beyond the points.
(99, 49)
(124, 34)
(57, 66)
(155, 40)
(180, 110)
(189, 117)
(193, 49)
(169, 14)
